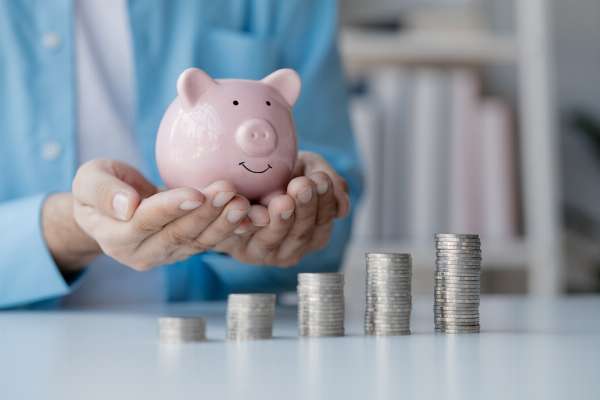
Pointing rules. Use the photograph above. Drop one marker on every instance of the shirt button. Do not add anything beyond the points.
(51, 150)
(51, 40)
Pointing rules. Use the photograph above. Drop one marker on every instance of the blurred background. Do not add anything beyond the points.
(479, 116)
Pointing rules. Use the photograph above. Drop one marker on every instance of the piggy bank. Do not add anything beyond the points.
(230, 129)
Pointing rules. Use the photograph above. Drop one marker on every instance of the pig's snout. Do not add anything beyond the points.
(256, 137)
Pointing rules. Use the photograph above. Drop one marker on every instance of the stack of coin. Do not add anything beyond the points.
(181, 329)
(388, 291)
(250, 316)
(321, 304)
(457, 283)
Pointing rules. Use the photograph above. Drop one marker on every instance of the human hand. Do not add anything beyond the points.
(300, 221)
(142, 227)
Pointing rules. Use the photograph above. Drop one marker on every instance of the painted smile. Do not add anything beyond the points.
(243, 164)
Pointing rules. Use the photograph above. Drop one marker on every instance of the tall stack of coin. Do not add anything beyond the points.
(181, 329)
(321, 304)
(388, 291)
(250, 316)
(457, 283)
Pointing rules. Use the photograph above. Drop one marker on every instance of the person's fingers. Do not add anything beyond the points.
(246, 227)
(259, 215)
(314, 163)
(268, 238)
(343, 201)
(235, 244)
(320, 237)
(228, 221)
(133, 177)
(114, 189)
(328, 204)
(184, 230)
(157, 211)
(304, 191)
(219, 193)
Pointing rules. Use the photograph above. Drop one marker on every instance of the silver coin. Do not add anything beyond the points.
(375, 328)
(458, 326)
(453, 287)
(386, 333)
(471, 259)
(447, 237)
(458, 248)
(447, 299)
(457, 268)
(388, 306)
(457, 279)
(457, 235)
(401, 256)
(457, 262)
(457, 289)
(452, 317)
(457, 271)
(451, 311)
(457, 311)
(458, 245)
(445, 307)
(458, 294)
(458, 259)
(457, 276)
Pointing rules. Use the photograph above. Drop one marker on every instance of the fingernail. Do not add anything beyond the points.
(190, 205)
(120, 205)
(305, 196)
(234, 216)
(322, 187)
(222, 198)
(287, 214)
(257, 218)
(240, 230)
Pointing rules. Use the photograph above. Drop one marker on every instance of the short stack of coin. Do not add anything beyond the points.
(181, 329)
(457, 283)
(250, 316)
(388, 292)
(321, 304)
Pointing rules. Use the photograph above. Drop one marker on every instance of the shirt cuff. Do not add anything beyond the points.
(28, 272)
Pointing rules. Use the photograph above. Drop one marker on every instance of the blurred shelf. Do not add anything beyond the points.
(362, 48)
(509, 255)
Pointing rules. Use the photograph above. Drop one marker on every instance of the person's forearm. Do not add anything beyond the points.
(71, 248)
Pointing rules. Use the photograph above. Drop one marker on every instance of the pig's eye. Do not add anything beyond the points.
(268, 102)
(235, 102)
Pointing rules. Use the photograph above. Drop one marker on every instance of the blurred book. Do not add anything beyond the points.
(437, 157)
(391, 90)
(428, 154)
(498, 171)
(465, 164)
(366, 121)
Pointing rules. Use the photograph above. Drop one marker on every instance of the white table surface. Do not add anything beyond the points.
(529, 348)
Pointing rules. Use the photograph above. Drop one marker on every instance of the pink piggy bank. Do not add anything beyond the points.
(230, 129)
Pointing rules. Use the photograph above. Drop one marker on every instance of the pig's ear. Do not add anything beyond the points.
(192, 83)
(287, 82)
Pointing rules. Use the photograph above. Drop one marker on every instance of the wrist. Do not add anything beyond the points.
(71, 248)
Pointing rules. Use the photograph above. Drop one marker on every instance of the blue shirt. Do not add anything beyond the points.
(234, 38)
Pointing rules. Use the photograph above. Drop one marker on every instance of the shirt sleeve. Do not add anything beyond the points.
(28, 273)
(308, 43)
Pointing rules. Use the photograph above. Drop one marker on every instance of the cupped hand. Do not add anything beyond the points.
(142, 227)
(300, 221)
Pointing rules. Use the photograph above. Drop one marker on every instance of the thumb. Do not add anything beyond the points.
(115, 189)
